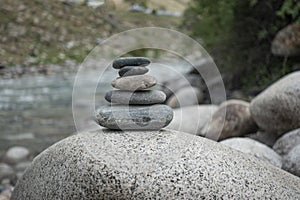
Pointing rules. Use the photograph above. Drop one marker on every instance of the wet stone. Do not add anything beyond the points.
(130, 61)
(121, 117)
(133, 70)
(133, 83)
(145, 97)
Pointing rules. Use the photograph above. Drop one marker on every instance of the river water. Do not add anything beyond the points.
(36, 111)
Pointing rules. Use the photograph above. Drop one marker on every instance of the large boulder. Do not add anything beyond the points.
(162, 164)
(232, 119)
(287, 142)
(291, 161)
(277, 109)
(191, 119)
(254, 148)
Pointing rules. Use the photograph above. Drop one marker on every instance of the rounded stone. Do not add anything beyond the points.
(186, 96)
(191, 119)
(133, 70)
(16, 154)
(287, 142)
(130, 61)
(121, 117)
(144, 97)
(232, 119)
(150, 165)
(133, 83)
(5, 171)
(291, 162)
(277, 109)
(254, 148)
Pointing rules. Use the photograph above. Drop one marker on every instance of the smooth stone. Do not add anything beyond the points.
(144, 97)
(254, 148)
(291, 162)
(122, 117)
(5, 171)
(133, 83)
(191, 119)
(130, 61)
(20, 167)
(287, 142)
(187, 96)
(232, 119)
(133, 70)
(277, 109)
(263, 137)
(16, 154)
(164, 164)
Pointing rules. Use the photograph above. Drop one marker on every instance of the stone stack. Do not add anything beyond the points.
(133, 105)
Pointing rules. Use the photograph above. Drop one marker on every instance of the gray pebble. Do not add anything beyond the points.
(145, 97)
(121, 117)
(133, 83)
(133, 70)
(130, 61)
(291, 162)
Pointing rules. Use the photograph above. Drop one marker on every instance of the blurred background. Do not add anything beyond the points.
(42, 43)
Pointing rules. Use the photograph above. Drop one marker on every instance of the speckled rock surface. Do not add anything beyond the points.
(133, 83)
(143, 97)
(191, 119)
(277, 109)
(124, 117)
(287, 142)
(291, 161)
(154, 165)
(254, 148)
(232, 119)
(130, 61)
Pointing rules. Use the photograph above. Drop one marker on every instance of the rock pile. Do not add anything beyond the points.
(133, 105)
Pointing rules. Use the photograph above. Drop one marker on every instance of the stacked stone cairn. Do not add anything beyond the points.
(134, 106)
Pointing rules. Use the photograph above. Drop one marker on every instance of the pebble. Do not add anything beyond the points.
(5, 171)
(187, 96)
(16, 154)
(133, 70)
(130, 61)
(121, 117)
(145, 97)
(133, 83)
(287, 142)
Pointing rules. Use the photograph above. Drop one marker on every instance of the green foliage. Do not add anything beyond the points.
(238, 34)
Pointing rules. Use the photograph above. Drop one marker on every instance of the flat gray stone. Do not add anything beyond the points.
(150, 165)
(254, 148)
(16, 154)
(232, 119)
(287, 142)
(291, 161)
(130, 61)
(122, 117)
(277, 109)
(191, 119)
(144, 97)
(5, 171)
(133, 70)
(133, 83)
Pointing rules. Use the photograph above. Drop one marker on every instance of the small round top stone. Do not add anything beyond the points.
(130, 61)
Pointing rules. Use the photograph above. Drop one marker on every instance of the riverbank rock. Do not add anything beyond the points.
(191, 119)
(254, 148)
(287, 142)
(159, 165)
(277, 109)
(232, 119)
(185, 97)
(291, 162)
(263, 137)
(16, 154)
(5, 171)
